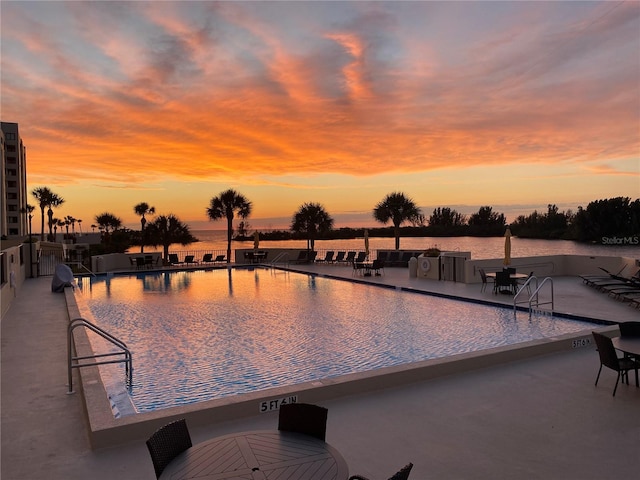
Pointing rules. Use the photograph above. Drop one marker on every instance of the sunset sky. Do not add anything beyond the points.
(460, 104)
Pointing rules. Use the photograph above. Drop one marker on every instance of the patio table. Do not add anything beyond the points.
(259, 455)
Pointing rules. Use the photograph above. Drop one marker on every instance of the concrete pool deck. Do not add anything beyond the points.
(540, 417)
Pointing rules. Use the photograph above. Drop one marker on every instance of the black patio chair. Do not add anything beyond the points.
(339, 257)
(629, 329)
(609, 358)
(503, 283)
(328, 257)
(402, 474)
(485, 279)
(303, 418)
(361, 257)
(377, 266)
(167, 443)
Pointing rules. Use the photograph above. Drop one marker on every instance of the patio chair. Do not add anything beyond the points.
(173, 259)
(351, 256)
(190, 260)
(361, 257)
(139, 263)
(339, 257)
(328, 257)
(382, 256)
(609, 358)
(302, 257)
(167, 443)
(303, 418)
(377, 266)
(402, 474)
(394, 258)
(207, 258)
(485, 279)
(629, 329)
(219, 258)
(503, 283)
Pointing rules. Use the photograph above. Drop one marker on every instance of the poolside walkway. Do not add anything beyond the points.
(540, 418)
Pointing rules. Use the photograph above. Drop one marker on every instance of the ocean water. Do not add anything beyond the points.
(480, 248)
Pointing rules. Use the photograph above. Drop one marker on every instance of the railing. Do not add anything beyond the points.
(534, 295)
(75, 362)
(280, 256)
(526, 285)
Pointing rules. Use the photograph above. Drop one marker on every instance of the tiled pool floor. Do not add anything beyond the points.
(537, 418)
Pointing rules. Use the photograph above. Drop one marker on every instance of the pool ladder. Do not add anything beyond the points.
(76, 362)
(283, 257)
(534, 299)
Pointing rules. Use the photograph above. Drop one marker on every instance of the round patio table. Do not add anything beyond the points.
(259, 455)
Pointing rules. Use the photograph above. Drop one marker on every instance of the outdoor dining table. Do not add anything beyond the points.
(367, 268)
(627, 345)
(518, 277)
(259, 455)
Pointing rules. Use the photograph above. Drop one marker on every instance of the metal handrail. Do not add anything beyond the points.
(525, 284)
(81, 322)
(80, 264)
(280, 256)
(535, 294)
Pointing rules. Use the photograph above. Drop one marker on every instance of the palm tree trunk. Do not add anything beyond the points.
(396, 232)
(229, 233)
(42, 224)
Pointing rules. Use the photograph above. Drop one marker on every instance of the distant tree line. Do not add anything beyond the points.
(614, 221)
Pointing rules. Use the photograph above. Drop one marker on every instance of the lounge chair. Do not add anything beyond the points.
(167, 443)
(339, 257)
(382, 256)
(303, 418)
(173, 259)
(609, 358)
(394, 258)
(328, 257)
(312, 256)
(362, 256)
(302, 257)
(219, 259)
(207, 258)
(190, 260)
(402, 474)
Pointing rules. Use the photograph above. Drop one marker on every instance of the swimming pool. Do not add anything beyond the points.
(201, 335)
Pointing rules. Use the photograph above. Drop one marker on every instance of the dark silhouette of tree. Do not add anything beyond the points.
(446, 217)
(226, 205)
(46, 200)
(166, 230)
(617, 217)
(487, 222)
(312, 219)
(143, 209)
(398, 208)
(108, 221)
(551, 225)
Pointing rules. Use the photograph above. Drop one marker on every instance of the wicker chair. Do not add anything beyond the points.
(403, 474)
(167, 443)
(303, 418)
(629, 329)
(609, 358)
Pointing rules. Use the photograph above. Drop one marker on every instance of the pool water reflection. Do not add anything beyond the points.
(201, 335)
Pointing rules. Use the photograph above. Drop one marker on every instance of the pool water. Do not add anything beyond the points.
(202, 335)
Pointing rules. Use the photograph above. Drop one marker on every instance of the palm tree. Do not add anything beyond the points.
(311, 218)
(168, 229)
(108, 221)
(226, 206)
(80, 225)
(398, 208)
(42, 195)
(54, 201)
(143, 209)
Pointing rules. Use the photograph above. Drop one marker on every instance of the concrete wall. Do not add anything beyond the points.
(14, 269)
